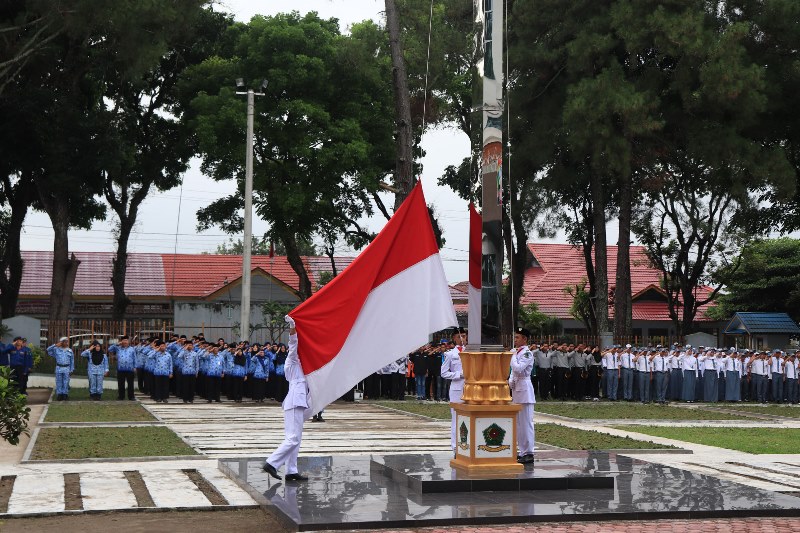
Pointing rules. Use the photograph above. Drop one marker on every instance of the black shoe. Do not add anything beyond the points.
(315, 418)
(320, 419)
(269, 469)
(527, 459)
(296, 477)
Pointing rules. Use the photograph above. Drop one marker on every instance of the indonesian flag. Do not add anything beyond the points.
(474, 287)
(385, 304)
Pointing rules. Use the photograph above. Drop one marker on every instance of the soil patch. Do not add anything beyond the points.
(147, 522)
(139, 488)
(73, 501)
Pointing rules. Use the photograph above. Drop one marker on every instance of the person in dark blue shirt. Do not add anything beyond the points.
(20, 359)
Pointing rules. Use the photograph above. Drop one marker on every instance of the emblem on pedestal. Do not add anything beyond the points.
(493, 437)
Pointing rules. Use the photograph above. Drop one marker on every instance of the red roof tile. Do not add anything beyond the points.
(163, 275)
(563, 265)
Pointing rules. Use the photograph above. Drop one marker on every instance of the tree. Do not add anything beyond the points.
(153, 146)
(14, 413)
(274, 313)
(323, 132)
(767, 279)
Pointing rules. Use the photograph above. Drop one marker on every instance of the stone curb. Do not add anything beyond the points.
(7, 516)
(91, 460)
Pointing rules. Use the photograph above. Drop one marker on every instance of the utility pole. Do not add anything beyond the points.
(248, 208)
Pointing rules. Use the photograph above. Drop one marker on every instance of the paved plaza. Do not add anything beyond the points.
(230, 430)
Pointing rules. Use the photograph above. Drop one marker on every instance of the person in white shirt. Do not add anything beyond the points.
(295, 412)
(642, 365)
(610, 364)
(676, 374)
(710, 383)
(660, 362)
(522, 394)
(626, 373)
(732, 368)
(689, 375)
(452, 370)
(776, 370)
(790, 379)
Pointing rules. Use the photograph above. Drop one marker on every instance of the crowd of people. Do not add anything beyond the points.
(661, 374)
(186, 368)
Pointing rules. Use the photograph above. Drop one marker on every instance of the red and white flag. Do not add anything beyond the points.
(474, 287)
(385, 304)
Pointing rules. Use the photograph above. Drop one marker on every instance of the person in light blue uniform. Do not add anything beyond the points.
(162, 371)
(215, 365)
(141, 374)
(190, 365)
(258, 371)
(96, 370)
(126, 366)
(65, 366)
(238, 374)
(149, 359)
(175, 350)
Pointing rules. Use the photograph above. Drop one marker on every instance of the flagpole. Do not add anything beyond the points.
(491, 68)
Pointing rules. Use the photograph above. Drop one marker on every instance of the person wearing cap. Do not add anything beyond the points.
(97, 369)
(190, 366)
(661, 374)
(65, 366)
(732, 368)
(452, 370)
(175, 350)
(641, 364)
(20, 359)
(758, 373)
(295, 409)
(543, 365)
(126, 366)
(522, 394)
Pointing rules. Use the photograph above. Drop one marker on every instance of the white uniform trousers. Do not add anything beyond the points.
(290, 447)
(453, 425)
(525, 432)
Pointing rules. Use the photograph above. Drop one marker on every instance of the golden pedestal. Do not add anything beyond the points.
(486, 423)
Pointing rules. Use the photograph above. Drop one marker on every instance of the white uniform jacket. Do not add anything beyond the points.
(520, 380)
(298, 388)
(451, 369)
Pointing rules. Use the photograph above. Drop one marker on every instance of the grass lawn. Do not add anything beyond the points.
(83, 443)
(750, 440)
(579, 439)
(629, 411)
(440, 411)
(83, 394)
(553, 434)
(772, 410)
(97, 412)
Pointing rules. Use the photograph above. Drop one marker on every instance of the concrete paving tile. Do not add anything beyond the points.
(173, 489)
(105, 491)
(37, 493)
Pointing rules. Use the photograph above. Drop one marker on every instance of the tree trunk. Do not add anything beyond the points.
(600, 252)
(403, 178)
(19, 201)
(588, 247)
(623, 314)
(296, 262)
(120, 269)
(64, 268)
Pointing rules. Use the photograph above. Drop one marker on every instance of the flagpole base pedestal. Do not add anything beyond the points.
(486, 439)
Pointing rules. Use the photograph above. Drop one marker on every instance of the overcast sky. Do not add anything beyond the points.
(168, 221)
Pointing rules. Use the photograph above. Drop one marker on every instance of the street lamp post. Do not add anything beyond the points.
(248, 207)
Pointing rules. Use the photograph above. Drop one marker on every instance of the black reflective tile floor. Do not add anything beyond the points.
(351, 492)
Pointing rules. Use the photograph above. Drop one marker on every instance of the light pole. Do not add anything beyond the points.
(248, 206)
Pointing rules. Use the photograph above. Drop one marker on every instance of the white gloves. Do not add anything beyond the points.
(289, 320)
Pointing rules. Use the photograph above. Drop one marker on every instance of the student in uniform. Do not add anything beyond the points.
(141, 375)
(612, 371)
(65, 366)
(790, 379)
(162, 371)
(776, 371)
(97, 368)
(295, 407)
(238, 373)
(190, 366)
(452, 370)
(258, 374)
(20, 359)
(522, 394)
(215, 371)
(626, 373)
(689, 365)
(126, 366)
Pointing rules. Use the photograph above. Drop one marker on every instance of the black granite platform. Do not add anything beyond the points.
(432, 473)
(354, 492)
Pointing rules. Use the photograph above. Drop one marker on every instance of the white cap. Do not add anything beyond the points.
(62, 339)
(627, 345)
(688, 345)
